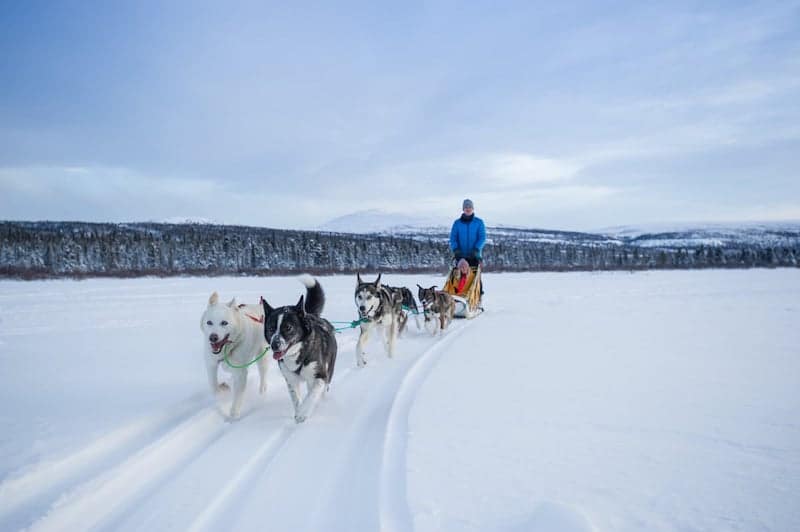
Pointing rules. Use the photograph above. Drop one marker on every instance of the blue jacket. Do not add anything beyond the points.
(468, 237)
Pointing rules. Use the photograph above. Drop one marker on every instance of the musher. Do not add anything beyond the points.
(467, 237)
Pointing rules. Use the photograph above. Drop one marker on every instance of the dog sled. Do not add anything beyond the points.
(465, 292)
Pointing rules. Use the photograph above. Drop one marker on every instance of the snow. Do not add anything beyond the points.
(185, 220)
(633, 231)
(663, 235)
(584, 401)
(380, 221)
(760, 234)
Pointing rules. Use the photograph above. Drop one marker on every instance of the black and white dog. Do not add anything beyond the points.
(439, 308)
(407, 302)
(304, 344)
(378, 308)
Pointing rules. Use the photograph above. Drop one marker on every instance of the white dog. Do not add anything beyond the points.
(236, 333)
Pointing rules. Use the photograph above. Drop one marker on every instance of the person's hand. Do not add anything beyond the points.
(457, 254)
(476, 253)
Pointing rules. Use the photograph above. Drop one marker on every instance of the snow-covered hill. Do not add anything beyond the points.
(176, 220)
(709, 234)
(379, 221)
(673, 235)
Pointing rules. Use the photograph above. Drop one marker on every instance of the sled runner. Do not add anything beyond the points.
(465, 292)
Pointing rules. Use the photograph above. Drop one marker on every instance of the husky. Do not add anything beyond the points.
(234, 332)
(437, 306)
(378, 308)
(408, 302)
(304, 344)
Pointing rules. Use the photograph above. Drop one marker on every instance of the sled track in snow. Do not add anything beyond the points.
(127, 480)
(86, 492)
(98, 500)
(359, 481)
(395, 515)
(44, 483)
(210, 518)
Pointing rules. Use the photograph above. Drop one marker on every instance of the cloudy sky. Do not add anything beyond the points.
(571, 115)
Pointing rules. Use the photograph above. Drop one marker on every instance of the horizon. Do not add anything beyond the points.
(571, 116)
(655, 228)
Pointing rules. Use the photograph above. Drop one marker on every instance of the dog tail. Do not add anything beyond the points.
(315, 297)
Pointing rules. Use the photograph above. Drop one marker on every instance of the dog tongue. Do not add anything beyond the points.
(277, 355)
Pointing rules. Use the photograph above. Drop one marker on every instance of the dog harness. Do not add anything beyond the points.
(226, 354)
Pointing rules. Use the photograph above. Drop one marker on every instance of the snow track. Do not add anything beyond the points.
(655, 401)
(190, 469)
(94, 502)
(393, 502)
(43, 482)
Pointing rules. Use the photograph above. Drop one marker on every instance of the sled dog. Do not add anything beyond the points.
(378, 309)
(304, 344)
(438, 307)
(236, 332)
(407, 302)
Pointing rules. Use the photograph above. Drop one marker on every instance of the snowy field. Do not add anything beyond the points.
(607, 402)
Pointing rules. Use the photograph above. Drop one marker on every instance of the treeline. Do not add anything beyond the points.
(74, 249)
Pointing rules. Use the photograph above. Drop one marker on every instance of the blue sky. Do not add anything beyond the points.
(579, 115)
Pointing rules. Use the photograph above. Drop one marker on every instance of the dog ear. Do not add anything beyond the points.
(232, 303)
(378, 281)
(267, 309)
(300, 307)
(214, 299)
(358, 278)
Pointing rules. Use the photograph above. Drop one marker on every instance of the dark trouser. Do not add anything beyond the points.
(472, 261)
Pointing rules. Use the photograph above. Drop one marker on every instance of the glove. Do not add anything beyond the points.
(457, 254)
(476, 253)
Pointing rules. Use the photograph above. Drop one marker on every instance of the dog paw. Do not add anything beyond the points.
(223, 387)
(263, 388)
(361, 362)
(299, 418)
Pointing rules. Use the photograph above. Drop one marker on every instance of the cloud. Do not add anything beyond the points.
(721, 93)
(759, 213)
(675, 140)
(516, 169)
(555, 205)
(263, 128)
(98, 194)
(429, 187)
(487, 171)
(103, 194)
(551, 198)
